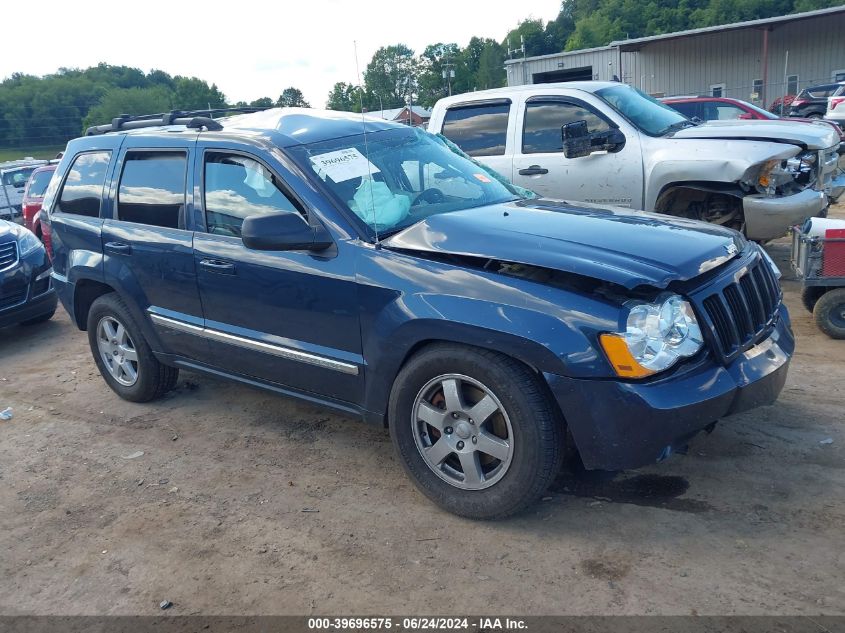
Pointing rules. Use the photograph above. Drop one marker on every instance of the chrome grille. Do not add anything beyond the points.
(828, 164)
(8, 254)
(742, 312)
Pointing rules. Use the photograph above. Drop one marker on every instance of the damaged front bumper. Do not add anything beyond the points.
(768, 218)
(619, 425)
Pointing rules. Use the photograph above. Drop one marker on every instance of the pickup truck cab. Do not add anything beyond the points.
(363, 265)
(608, 143)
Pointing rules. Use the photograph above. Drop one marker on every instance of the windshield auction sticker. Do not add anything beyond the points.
(343, 165)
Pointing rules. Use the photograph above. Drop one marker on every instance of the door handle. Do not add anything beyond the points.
(118, 248)
(533, 170)
(218, 266)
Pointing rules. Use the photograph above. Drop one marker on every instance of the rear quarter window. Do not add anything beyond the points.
(82, 191)
(479, 130)
(38, 183)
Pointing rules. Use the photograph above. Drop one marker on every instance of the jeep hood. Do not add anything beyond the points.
(808, 136)
(629, 248)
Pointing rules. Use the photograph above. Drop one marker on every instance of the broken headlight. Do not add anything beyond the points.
(788, 175)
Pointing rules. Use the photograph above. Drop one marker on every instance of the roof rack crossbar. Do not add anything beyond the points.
(192, 119)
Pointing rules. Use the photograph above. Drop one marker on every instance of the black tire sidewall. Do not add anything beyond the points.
(145, 386)
(832, 300)
(528, 474)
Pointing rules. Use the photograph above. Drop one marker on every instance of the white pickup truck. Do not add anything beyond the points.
(608, 143)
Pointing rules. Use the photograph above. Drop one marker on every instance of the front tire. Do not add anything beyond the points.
(475, 431)
(123, 355)
(829, 313)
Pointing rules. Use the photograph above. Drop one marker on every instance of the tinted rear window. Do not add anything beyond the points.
(821, 91)
(39, 183)
(152, 188)
(479, 130)
(83, 188)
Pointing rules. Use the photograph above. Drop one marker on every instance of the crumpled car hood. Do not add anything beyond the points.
(629, 248)
(816, 136)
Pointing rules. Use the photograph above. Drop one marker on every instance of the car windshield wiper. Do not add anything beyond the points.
(680, 125)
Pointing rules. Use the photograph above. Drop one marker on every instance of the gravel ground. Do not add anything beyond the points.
(248, 503)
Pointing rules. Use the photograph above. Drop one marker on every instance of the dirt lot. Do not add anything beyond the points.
(244, 502)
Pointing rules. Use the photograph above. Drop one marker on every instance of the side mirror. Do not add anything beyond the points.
(578, 141)
(283, 231)
(746, 116)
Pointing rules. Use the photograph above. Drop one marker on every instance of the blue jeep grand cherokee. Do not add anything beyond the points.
(364, 266)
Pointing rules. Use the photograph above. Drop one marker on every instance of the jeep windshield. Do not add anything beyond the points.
(646, 113)
(392, 179)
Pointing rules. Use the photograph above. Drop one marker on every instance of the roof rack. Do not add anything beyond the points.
(195, 119)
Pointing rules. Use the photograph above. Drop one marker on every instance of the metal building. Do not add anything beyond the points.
(758, 61)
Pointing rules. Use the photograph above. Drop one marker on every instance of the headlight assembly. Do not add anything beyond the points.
(779, 176)
(657, 335)
(27, 242)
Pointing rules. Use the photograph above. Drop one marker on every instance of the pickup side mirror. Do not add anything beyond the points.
(578, 141)
(283, 231)
(746, 116)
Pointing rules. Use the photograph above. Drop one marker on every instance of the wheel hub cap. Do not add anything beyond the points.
(462, 431)
(117, 351)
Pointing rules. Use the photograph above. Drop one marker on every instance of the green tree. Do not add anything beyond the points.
(190, 93)
(436, 60)
(263, 102)
(292, 98)
(390, 78)
(344, 97)
(133, 101)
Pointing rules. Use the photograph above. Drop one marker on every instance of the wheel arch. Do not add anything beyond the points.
(381, 382)
(86, 292)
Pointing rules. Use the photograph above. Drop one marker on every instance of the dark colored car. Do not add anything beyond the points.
(811, 103)
(361, 265)
(33, 196)
(26, 291)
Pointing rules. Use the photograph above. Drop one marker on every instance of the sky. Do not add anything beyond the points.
(251, 49)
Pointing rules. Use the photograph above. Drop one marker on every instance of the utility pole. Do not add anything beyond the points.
(521, 49)
(448, 72)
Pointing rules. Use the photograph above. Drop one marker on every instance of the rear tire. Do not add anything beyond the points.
(829, 313)
(123, 355)
(450, 405)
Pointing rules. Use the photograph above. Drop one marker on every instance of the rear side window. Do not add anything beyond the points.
(236, 187)
(721, 112)
(152, 188)
(83, 188)
(38, 184)
(688, 109)
(543, 122)
(819, 92)
(478, 130)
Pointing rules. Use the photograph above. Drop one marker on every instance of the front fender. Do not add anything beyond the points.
(409, 301)
(675, 161)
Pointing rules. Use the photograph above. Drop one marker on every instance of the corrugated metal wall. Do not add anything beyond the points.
(603, 62)
(692, 64)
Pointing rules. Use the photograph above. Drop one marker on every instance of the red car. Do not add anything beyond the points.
(727, 109)
(33, 195)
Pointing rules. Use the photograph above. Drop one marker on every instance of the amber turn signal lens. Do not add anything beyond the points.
(620, 357)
